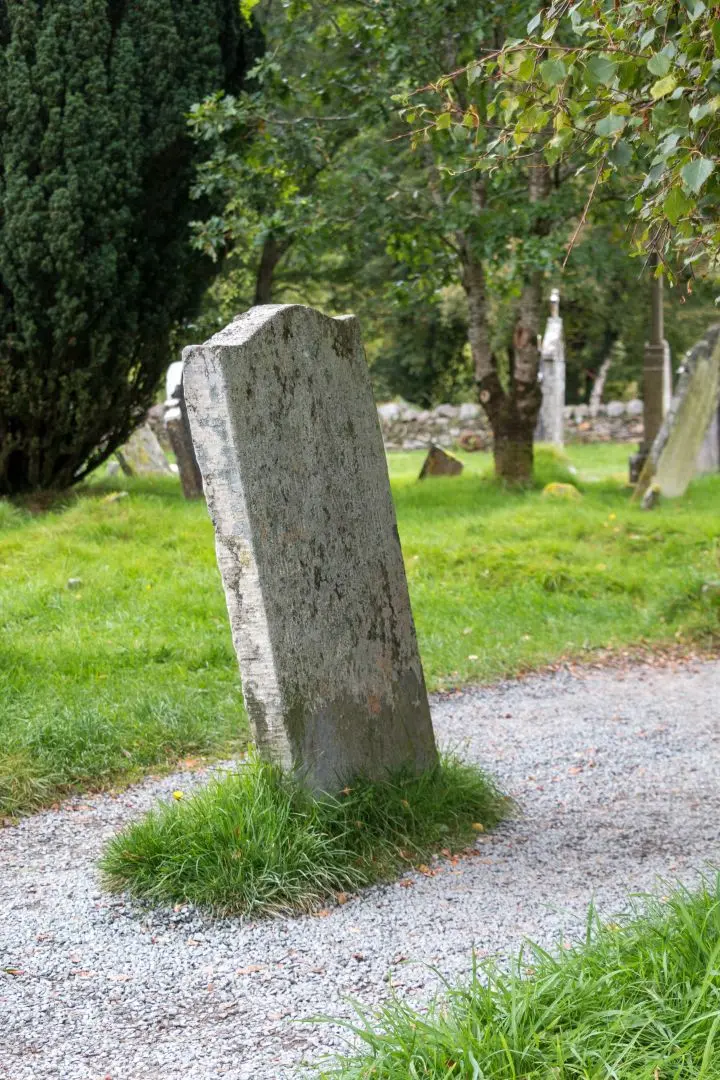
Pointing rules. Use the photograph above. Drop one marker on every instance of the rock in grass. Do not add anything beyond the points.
(561, 491)
(440, 463)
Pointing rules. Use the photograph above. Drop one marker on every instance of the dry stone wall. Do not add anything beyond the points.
(406, 427)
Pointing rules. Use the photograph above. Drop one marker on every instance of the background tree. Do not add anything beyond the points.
(95, 260)
(436, 222)
(630, 89)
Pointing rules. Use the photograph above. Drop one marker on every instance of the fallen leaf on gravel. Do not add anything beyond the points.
(192, 942)
(318, 971)
(322, 913)
(251, 970)
(13, 971)
(342, 898)
(358, 956)
(119, 978)
(575, 770)
(406, 883)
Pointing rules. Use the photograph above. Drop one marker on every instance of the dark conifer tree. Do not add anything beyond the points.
(95, 262)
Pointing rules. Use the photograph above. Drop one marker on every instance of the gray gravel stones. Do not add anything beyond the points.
(617, 775)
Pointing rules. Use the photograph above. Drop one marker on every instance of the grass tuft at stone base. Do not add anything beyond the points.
(638, 1001)
(254, 842)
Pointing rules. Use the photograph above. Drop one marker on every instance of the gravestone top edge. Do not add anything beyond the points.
(249, 324)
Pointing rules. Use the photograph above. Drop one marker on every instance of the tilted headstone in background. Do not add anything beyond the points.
(708, 460)
(288, 441)
(142, 454)
(552, 370)
(178, 429)
(672, 461)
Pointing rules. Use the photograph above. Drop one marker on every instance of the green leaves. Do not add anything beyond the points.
(676, 205)
(602, 70)
(552, 72)
(659, 64)
(610, 124)
(639, 88)
(696, 172)
(663, 87)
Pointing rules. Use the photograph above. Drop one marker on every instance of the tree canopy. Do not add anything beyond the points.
(628, 90)
(95, 258)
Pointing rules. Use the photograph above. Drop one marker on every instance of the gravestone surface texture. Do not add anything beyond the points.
(708, 459)
(288, 442)
(673, 458)
(142, 454)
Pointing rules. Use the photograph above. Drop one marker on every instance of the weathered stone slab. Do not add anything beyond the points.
(288, 441)
(550, 426)
(142, 454)
(672, 461)
(708, 460)
(439, 463)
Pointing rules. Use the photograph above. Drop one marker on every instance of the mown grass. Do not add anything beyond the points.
(502, 582)
(255, 842)
(639, 1001)
(134, 669)
(131, 669)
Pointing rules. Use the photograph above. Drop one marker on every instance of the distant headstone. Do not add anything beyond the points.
(289, 445)
(672, 461)
(178, 429)
(440, 463)
(550, 427)
(708, 460)
(142, 454)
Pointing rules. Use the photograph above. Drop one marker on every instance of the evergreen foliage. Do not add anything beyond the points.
(95, 260)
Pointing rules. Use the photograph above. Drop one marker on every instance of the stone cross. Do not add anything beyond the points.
(288, 442)
(550, 426)
(673, 458)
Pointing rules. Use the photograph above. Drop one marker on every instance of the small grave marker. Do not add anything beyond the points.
(439, 463)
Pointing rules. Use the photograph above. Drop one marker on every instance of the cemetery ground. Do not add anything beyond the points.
(118, 662)
(117, 658)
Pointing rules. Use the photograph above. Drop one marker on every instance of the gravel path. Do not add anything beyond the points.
(617, 774)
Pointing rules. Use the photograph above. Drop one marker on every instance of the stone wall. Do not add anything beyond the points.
(406, 427)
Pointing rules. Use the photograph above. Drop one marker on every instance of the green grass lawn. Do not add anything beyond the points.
(133, 668)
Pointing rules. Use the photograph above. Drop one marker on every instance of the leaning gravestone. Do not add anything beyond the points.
(708, 459)
(672, 461)
(289, 445)
(142, 454)
(178, 430)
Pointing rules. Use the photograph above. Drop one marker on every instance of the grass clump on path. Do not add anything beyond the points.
(255, 842)
(639, 1001)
